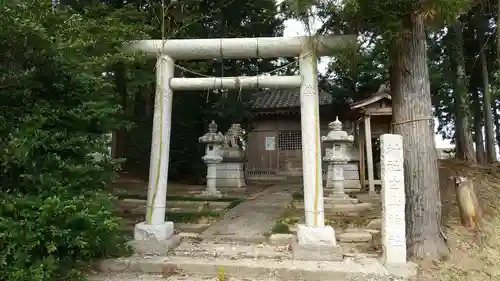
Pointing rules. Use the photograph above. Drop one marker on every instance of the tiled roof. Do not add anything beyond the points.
(289, 98)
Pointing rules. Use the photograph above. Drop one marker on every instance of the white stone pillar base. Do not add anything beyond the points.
(316, 235)
(315, 244)
(148, 232)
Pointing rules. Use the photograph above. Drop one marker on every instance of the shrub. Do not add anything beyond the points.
(55, 111)
(53, 237)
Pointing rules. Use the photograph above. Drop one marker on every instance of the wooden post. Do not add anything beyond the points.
(362, 166)
(369, 154)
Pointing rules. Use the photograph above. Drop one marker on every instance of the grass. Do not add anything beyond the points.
(235, 203)
(179, 217)
(298, 195)
(179, 198)
(189, 217)
(280, 227)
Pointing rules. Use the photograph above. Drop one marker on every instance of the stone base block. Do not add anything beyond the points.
(310, 252)
(345, 208)
(211, 193)
(316, 235)
(155, 247)
(158, 232)
(224, 182)
(351, 185)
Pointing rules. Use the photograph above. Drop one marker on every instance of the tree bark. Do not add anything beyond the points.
(488, 113)
(412, 117)
(478, 124)
(464, 144)
(498, 34)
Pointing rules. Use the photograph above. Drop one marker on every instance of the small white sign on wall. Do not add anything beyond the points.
(270, 143)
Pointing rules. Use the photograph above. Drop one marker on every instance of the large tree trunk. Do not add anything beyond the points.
(412, 116)
(464, 144)
(478, 124)
(498, 34)
(488, 113)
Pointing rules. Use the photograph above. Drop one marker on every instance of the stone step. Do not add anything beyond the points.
(207, 249)
(191, 227)
(229, 238)
(341, 208)
(289, 270)
(161, 277)
(113, 276)
(355, 237)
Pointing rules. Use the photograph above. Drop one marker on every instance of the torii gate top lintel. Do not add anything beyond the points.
(238, 48)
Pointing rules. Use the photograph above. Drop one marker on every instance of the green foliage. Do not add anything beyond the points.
(53, 237)
(180, 198)
(377, 23)
(56, 109)
(193, 110)
(390, 18)
(298, 195)
(280, 227)
(190, 217)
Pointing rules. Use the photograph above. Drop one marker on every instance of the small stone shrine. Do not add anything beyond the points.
(338, 142)
(230, 172)
(213, 141)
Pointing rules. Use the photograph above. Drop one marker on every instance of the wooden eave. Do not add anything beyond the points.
(371, 100)
(377, 111)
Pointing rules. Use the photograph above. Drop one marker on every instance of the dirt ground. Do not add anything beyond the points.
(470, 259)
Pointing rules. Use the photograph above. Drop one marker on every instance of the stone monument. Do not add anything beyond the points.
(230, 172)
(213, 141)
(393, 200)
(337, 157)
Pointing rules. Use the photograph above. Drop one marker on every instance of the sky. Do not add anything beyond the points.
(296, 28)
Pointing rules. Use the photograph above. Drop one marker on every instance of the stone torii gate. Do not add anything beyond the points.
(306, 48)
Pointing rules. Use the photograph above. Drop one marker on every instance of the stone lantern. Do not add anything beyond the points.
(213, 141)
(337, 144)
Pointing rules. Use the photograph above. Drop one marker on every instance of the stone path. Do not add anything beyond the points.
(229, 245)
(250, 220)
